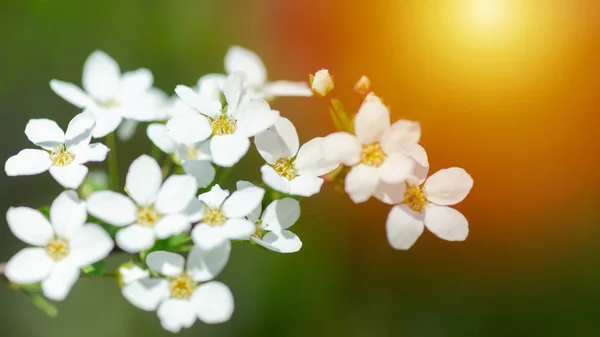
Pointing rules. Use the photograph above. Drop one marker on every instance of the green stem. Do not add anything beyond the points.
(113, 167)
(223, 174)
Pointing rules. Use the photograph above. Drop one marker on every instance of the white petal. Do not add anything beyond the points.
(79, 131)
(341, 147)
(29, 265)
(244, 60)
(255, 214)
(29, 225)
(175, 194)
(135, 238)
(281, 214)
(215, 197)
(201, 170)
(93, 152)
(280, 241)
(274, 180)
(227, 150)
(28, 162)
(158, 134)
(396, 168)
(210, 86)
(305, 186)
(143, 180)
(311, 161)
(107, 121)
(44, 133)
(89, 244)
(71, 93)
(67, 213)
(238, 229)
(70, 176)
(204, 265)
(135, 83)
(402, 136)
(390, 194)
(242, 202)
(147, 293)
(280, 141)
(166, 263)
(422, 164)
(172, 224)
(448, 186)
(446, 223)
(213, 302)
(403, 226)
(127, 129)
(101, 75)
(132, 273)
(112, 208)
(60, 281)
(175, 314)
(188, 129)
(207, 237)
(255, 118)
(204, 105)
(371, 122)
(287, 88)
(194, 210)
(361, 182)
(233, 91)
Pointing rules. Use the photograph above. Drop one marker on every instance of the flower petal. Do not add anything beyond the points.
(79, 131)
(311, 161)
(143, 180)
(135, 83)
(341, 147)
(274, 180)
(403, 227)
(207, 237)
(244, 60)
(213, 302)
(401, 137)
(210, 86)
(280, 241)
(166, 263)
(215, 197)
(70, 176)
(305, 186)
(89, 244)
(135, 238)
(448, 186)
(93, 152)
(71, 93)
(159, 136)
(233, 91)
(205, 105)
(390, 194)
(396, 168)
(227, 150)
(287, 88)
(255, 118)
(127, 129)
(29, 225)
(188, 129)
(147, 293)
(255, 214)
(112, 208)
(67, 213)
(44, 133)
(240, 203)
(201, 170)
(131, 272)
(280, 141)
(107, 121)
(28, 162)
(101, 75)
(172, 224)
(238, 229)
(60, 281)
(194, 210)
(175, 314)
(175, 193)
(29, 265)
(371, 122)
(204, 265)
(361, 182)
(446, 223)
(281, 214)
(422, 165)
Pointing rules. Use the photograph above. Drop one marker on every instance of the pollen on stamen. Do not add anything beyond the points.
(182, 287)
(57, 249)
(214, 217)
(109, 103)
(60, 156)
(147, 217)
(223, 125)
(259, 232)
(285, 168)
(414, 197)
(372, 155)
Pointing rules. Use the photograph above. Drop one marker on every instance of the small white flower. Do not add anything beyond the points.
(321, 83)
(230, 127)
(288, 169)
(64, 154)
(62, 245)
(131, 272)
(156, 210)
(223, 217)
(179, 297)
(110, 95)
(425, 204)
(271, 227)
(244, 60)
(379, 152)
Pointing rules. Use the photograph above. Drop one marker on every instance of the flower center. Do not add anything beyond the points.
(58, 249)
(285, 168)
(60, 156)
(109, 103)
(182, 287)
(147, 216)
(223, 125)
(414, 197)
(372, 155)
(259, 232)
(214, 217)
(192, 152)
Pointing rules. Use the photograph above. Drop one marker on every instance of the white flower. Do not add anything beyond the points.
(131, 272)
(321, 83)
(425, 205)
(271, 227)
(156, 210)
(244, 60)
(288, 169)
(241, 119)
(64, 154)
(379, 152)
(110, 95)
(223, 217)
(62, 245)
(179, 297)
(194, 158)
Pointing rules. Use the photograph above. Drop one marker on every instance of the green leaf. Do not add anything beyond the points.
(44, 305)
(95, 269)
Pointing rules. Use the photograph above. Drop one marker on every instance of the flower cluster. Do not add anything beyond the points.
(172, 202)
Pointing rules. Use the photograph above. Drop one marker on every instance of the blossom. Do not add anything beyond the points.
(379, 152)
(110, 95)
(223, 216)
(244, 60)
(179, 296)
(425, 204)
(288, 169)
(129, 272)
(321, 83)
(63, 154)
(61, 246)
(156, 210)
(230, 127)
(271, 227)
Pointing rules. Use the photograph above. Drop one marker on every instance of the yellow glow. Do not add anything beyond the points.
(488, 13)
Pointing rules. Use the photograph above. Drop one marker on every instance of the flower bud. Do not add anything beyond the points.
(363, 86)
(129, 272)
(321, 83)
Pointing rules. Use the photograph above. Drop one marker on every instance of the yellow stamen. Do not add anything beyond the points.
(182, 287)
(60, 156)
(214, 217)
(285, 168)
(372, 155)
(414, 197)
(58, 249)
(223, 125)
(259, 232)
(147, 217)
(109, 103)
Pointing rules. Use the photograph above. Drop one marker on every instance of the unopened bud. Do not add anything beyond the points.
(363, 86)
(129, 272)
(321, 83)
(372, 97)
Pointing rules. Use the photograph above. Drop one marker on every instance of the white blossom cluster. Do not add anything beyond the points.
(163, 211)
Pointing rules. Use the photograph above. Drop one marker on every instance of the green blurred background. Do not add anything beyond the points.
(518, 108)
